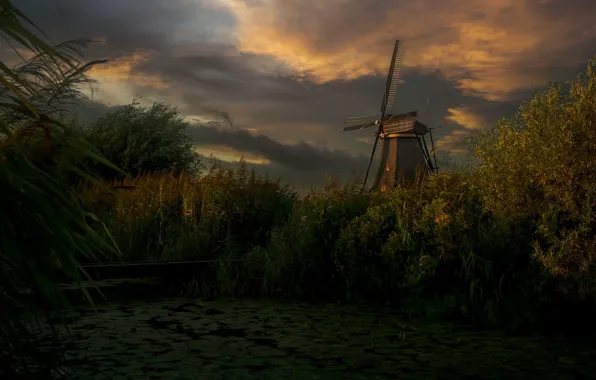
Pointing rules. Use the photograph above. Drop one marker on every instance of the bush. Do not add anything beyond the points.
(541, 166)
(144, 140)
(297, 258)
(410, 246)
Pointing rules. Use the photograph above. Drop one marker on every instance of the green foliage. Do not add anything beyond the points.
(540, 166)
(167, 217)
(144, 140)
(298, 257)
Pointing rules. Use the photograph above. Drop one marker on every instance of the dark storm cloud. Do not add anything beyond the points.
(554, 10)
(222, 72)
(125, 26)
(301, 156)
(276, 104)
(87, 111)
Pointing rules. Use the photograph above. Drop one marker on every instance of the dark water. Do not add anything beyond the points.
(253, 339)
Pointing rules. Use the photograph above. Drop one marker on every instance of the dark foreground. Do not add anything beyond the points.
(247, 339)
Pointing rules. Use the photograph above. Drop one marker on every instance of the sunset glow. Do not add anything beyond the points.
(288, 72)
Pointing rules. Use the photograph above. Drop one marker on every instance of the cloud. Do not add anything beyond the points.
(231, 155)
(300, 156)
(467, 121)
(488, 48)
(290, 71)
(454, 143)
(467, 118)
(121, 70)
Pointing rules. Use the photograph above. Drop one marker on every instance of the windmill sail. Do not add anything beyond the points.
(392, 78)
(359, 126)
(359, 118)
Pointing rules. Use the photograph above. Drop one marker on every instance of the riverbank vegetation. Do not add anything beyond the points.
(500, 242)
(507, 242)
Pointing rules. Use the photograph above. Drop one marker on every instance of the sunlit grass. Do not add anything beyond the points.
(169, 217)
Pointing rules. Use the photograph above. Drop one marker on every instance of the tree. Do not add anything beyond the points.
(138, 140)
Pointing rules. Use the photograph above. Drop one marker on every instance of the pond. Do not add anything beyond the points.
(181, 338)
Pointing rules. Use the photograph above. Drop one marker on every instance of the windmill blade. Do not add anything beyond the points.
(392, 78)
(372, 155)
(360, 126)
(360, 119)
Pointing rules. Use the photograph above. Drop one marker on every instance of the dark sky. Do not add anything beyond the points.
(273, 80)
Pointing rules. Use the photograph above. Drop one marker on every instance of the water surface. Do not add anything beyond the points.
(180, 338)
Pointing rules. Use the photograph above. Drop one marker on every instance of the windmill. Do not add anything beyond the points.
(404, 153)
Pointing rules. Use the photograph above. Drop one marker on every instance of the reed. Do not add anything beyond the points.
(171, 217)
(44, 227)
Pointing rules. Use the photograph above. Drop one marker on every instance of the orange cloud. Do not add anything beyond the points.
(465, 117)
(489, 48)
(118, 80)
(122, 71)
(456, 142)
(231, 155)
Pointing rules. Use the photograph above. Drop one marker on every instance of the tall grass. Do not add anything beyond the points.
(178, 216)
(44, 227)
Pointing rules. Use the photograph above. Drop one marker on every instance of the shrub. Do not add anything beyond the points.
(296, 259)
(541, 166)
(429, 243)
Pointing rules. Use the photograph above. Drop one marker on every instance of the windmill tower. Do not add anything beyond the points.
(404, 153)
